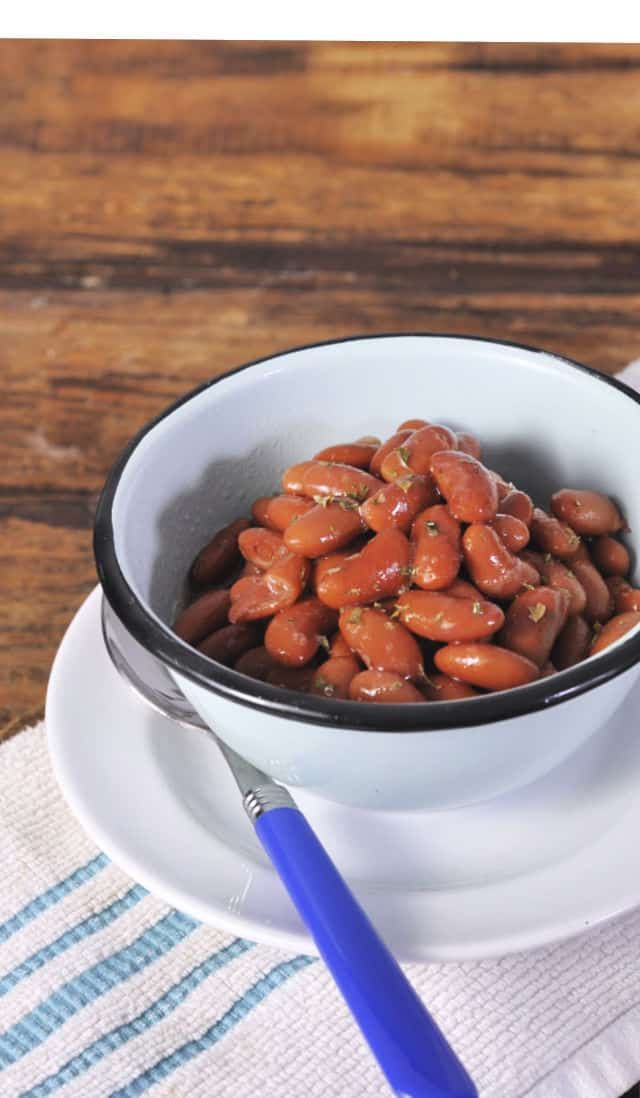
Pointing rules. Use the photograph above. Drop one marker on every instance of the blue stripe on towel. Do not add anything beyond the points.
(25, 1035)
(186, 1052)
(155, 1012)
(52, 895)
(91, 925)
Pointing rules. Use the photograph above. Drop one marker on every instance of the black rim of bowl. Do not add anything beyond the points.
(159, 639)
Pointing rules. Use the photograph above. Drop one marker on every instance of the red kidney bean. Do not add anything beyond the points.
(486, 666)
(469, 444)
(438, 554)
(219, 556)
(397, 504)
(573, 643)
(616, 628)
(416, 452)
(461, 589)
(261, 596)
(381, 643)
(439, 687)
(588, 513)
(610, 557)
(256, 662)
(493, 569)
(556, 574)
(512, 532)
(468, 488)
(377, 572)
(358, 454)
(441, 617)
(385, 448)
(278, 512)
(533, 622)
(204, 616)
(333, 678)
(599, 604)
(518, 504)
(261, 547)
(383, 686)
(324, 529)
(294, 635)
(226, 645)
(553, 536)
(322, 478)
(292, 678)
(412, 424)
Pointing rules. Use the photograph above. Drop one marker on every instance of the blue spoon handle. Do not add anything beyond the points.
(405, 1040)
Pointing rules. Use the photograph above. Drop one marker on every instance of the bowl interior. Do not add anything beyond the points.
(543, 424)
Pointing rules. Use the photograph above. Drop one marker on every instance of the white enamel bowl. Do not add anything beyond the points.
(544, 422)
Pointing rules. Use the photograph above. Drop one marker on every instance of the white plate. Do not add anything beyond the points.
(519, 872)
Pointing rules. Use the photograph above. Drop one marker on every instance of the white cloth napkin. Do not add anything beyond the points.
(106, 991)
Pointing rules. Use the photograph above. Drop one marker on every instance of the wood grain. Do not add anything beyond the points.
(169, 210)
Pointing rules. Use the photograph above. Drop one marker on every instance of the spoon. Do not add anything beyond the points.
(411, 1050)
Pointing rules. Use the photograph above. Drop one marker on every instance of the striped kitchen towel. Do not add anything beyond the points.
(106, 992)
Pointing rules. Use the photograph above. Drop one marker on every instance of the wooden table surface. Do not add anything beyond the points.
(170, 210)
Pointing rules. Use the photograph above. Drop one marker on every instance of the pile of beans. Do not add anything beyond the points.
(407, 571)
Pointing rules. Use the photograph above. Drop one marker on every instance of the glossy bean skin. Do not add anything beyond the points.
(261, 547)
(226, 645)
(322, 478)
(249, 569)
(255, 597)
(333, 678)
(416, 452)
(357, 454)
(278, 512)
(338, 646)
(293, 635)
(486, 666)
(412, 424)
(627, 599)
(462, 589)
(437, 519)
(493, 569)
(292, 678)
(614, 629)
(381, 643)
(441, 687)
(518, 504)
(219, 556)
(533, 623)
(324, 529)
(383, 687)
(599, 604)
(256, 662)
(438, 553)
(444, 618)
(573, 642)
(397, 504)
(202, 617)
(553, 536)
(386, 447)
(556, 574)
(469, 444)
(512, 532)
(610, 556)
(377, 572)
(471, 493)
(586, 512)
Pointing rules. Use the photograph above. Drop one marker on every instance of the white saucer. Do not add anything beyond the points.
(519, 872)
